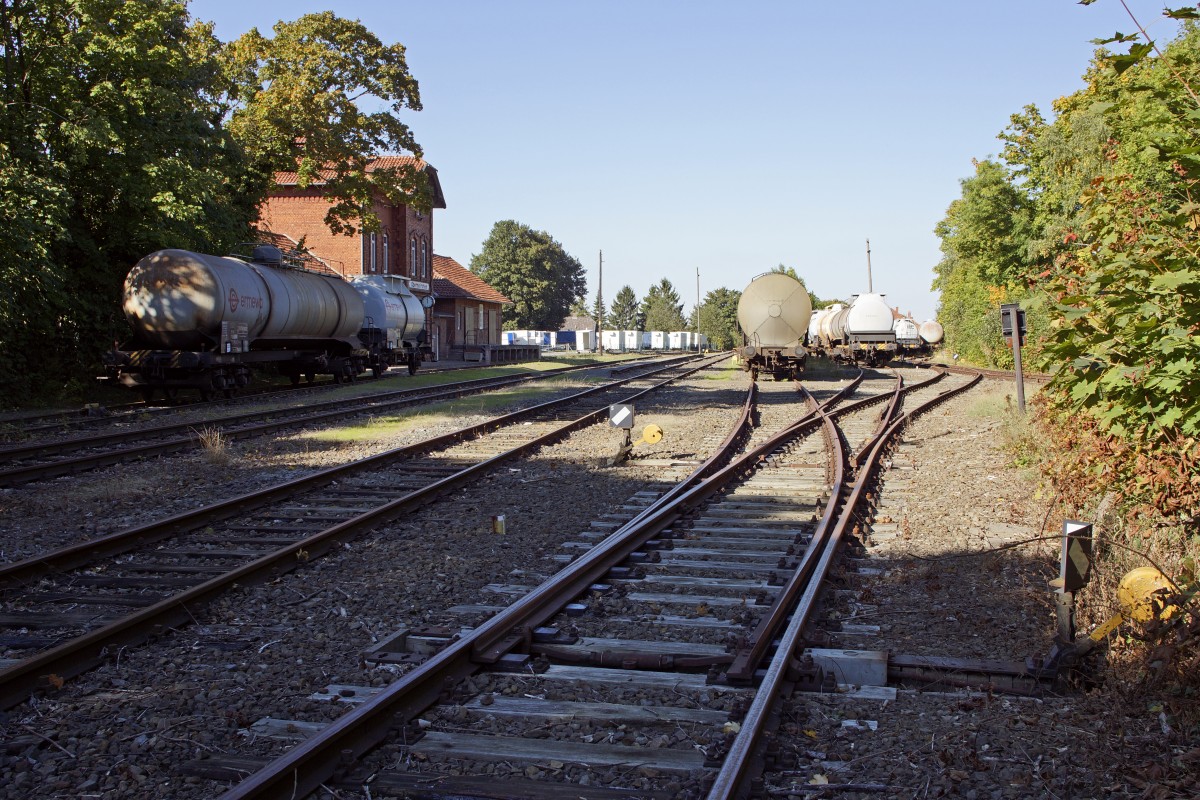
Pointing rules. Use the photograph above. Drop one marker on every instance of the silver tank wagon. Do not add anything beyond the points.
(773, 313)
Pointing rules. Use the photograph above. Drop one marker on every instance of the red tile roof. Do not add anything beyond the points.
(383, 162)
(451, 279)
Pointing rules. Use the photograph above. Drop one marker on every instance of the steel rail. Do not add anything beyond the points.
(77, 555)
(338, 409)
(734, 778)
(50, 667)
(746, 660)
(48, 448)
(307, 765)
(51, 421)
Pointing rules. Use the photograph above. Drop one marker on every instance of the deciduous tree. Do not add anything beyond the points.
(534, 271)
(718, 318)
(110, 146)
(297, 104)
(985, 240)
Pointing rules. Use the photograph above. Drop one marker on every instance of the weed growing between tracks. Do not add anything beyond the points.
(215, 447)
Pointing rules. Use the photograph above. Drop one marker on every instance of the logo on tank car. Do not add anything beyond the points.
(249, 301)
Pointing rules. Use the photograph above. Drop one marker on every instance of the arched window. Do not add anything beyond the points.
(424, 259)
(412, 261)
(371, 255)
(386, 264)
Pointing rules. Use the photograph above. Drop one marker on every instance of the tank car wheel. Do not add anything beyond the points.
(295, 379)
(376, 372)
(147, 393)
(172, 395)
(309, 377)
(413, 364)
(206, 395)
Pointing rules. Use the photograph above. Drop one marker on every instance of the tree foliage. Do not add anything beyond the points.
(534, 271)
(662, 310)
(110, 147)
(296, 105)
(624, 313)
(718, 318)
(128, 127)
(985, 240)
(1093, 227)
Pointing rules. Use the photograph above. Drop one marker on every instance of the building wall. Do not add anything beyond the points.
(300, 214)
(468, 322)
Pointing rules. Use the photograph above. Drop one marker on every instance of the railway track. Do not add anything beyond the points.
(45, 459)
(65, 610)
(698, 583)
(21, 426)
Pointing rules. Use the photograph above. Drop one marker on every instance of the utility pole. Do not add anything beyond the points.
(600, 306)
(870, 286)
(697, 309)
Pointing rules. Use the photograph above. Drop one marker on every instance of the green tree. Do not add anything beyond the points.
(624, 314)
(718, 318)
(294, 103)
(662, 309)
(812, 297)
(111, 146)
(985, 241)
(534, 271)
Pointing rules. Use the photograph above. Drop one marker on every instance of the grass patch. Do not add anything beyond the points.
(1017, 434)
(215, 446)
(723, 371)
(490, 403)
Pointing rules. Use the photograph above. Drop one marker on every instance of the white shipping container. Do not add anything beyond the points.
(675, 340)
(633, 340)
(585, 341)
(658, 340)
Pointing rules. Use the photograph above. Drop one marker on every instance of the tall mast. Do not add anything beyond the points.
(870, 286)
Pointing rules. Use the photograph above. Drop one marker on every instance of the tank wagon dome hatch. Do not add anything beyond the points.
(774, 311)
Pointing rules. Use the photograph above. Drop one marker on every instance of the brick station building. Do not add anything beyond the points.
(467, 315)
(403, 246)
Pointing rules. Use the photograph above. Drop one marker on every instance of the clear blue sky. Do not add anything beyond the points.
(724, 137)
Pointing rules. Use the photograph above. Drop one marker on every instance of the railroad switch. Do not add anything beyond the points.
(1144, 594)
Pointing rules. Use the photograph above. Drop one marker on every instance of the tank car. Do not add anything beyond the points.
(203, 322)
(931, 332)
(861, 332)
(908, 340)
(774, 314)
